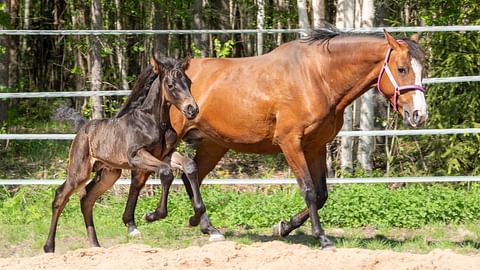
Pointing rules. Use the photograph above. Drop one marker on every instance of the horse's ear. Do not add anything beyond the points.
(185, 62)
(392, 42)
(415, 37)
(157, 66)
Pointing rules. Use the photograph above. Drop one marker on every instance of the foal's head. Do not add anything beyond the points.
(176, 86)
(400, 79)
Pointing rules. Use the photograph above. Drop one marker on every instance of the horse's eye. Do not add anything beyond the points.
(170, 85)
(402, 70)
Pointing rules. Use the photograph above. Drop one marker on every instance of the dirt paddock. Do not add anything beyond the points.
(231, 255)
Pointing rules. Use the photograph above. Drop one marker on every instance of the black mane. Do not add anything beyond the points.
(142, 86)
(323, 36)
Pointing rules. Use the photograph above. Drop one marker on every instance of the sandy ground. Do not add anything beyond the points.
(230, 255)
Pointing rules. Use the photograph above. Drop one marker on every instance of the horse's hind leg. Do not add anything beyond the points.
(189, 167)
(139, 177)
(94, 190)
(78, 172)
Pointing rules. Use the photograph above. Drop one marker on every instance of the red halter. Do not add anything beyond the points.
(398, 89)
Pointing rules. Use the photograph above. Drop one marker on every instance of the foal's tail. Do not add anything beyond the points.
(64, 113)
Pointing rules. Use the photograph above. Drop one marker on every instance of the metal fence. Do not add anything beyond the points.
(417, 132)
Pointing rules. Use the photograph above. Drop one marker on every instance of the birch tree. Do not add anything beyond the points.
(96, 58)
(303, 15)
(345, 19)
(318, 13)
(260, 25)
(364, 18)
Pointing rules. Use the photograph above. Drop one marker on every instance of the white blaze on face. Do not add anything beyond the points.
(419, 103)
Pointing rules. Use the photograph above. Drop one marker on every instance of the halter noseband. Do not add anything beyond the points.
(398, 89)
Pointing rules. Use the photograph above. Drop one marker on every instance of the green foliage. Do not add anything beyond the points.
(224, 50)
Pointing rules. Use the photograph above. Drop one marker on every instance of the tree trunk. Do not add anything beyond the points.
(200, 40)
(344, 19)
(319, 13)
(96, 58)
(120, 48)
(303, 16)
(260, 25)
(13, 46)
(160, 22)
(366, 144)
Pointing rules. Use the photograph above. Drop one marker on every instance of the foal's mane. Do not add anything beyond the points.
(324, 36)
(142, 86)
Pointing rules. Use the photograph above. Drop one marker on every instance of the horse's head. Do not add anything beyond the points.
(400, 79)
(176, 86)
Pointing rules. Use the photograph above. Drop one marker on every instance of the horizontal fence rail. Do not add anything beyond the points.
(451, 28)
(357, 133)
(89, 93)
(271, 181)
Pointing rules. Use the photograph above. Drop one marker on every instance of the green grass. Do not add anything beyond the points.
(246, 216)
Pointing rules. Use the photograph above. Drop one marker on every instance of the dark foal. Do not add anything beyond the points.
(141, 138)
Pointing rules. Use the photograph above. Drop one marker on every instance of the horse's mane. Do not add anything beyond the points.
(324, 36)
(142, 86)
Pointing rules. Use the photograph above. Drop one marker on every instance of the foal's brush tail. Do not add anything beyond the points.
(64, 113)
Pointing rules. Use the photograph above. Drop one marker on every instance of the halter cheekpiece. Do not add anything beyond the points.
(398, 89)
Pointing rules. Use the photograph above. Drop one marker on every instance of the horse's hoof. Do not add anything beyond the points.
(134, 233)
(149, 217)
(48, 249)
(216, 237)
(326, 243)
(193, 221)
(277, 229)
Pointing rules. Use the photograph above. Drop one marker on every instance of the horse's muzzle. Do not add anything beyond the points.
(191, 111)
(415, 119)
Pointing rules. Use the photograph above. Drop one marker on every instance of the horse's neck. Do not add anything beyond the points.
(360, 65)
(156, 105)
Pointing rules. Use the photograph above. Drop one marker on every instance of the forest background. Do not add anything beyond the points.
(112, 62)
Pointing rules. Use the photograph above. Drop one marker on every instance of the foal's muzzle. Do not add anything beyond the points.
(190, 111)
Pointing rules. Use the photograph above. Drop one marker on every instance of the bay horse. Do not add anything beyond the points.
(139, 138)
(291, 100)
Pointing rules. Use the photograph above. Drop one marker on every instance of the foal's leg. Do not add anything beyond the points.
(139, 177)
(189, 167)
(94, 190)
(292, 148)
(78, 171)
(144, 160)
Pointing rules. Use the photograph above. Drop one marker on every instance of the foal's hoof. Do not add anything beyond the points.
(216, 237)
(48, 249)
(134, 233)
(326, 243)
(277, 229)
(194, 221)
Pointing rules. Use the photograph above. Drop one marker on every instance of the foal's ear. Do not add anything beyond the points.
(185, 62)
(392, 42)
(157, 66)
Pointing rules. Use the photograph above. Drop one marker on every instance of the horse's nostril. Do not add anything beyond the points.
(416, 116)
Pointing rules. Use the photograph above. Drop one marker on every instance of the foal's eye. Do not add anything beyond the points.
(170, 85)
(402, 70)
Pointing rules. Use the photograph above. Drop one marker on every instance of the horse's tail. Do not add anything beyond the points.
(64, 113)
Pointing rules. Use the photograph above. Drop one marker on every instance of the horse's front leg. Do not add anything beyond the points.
(139, 178)
(189, 167)
(292, 148)
(144, 160)
(318, 167)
